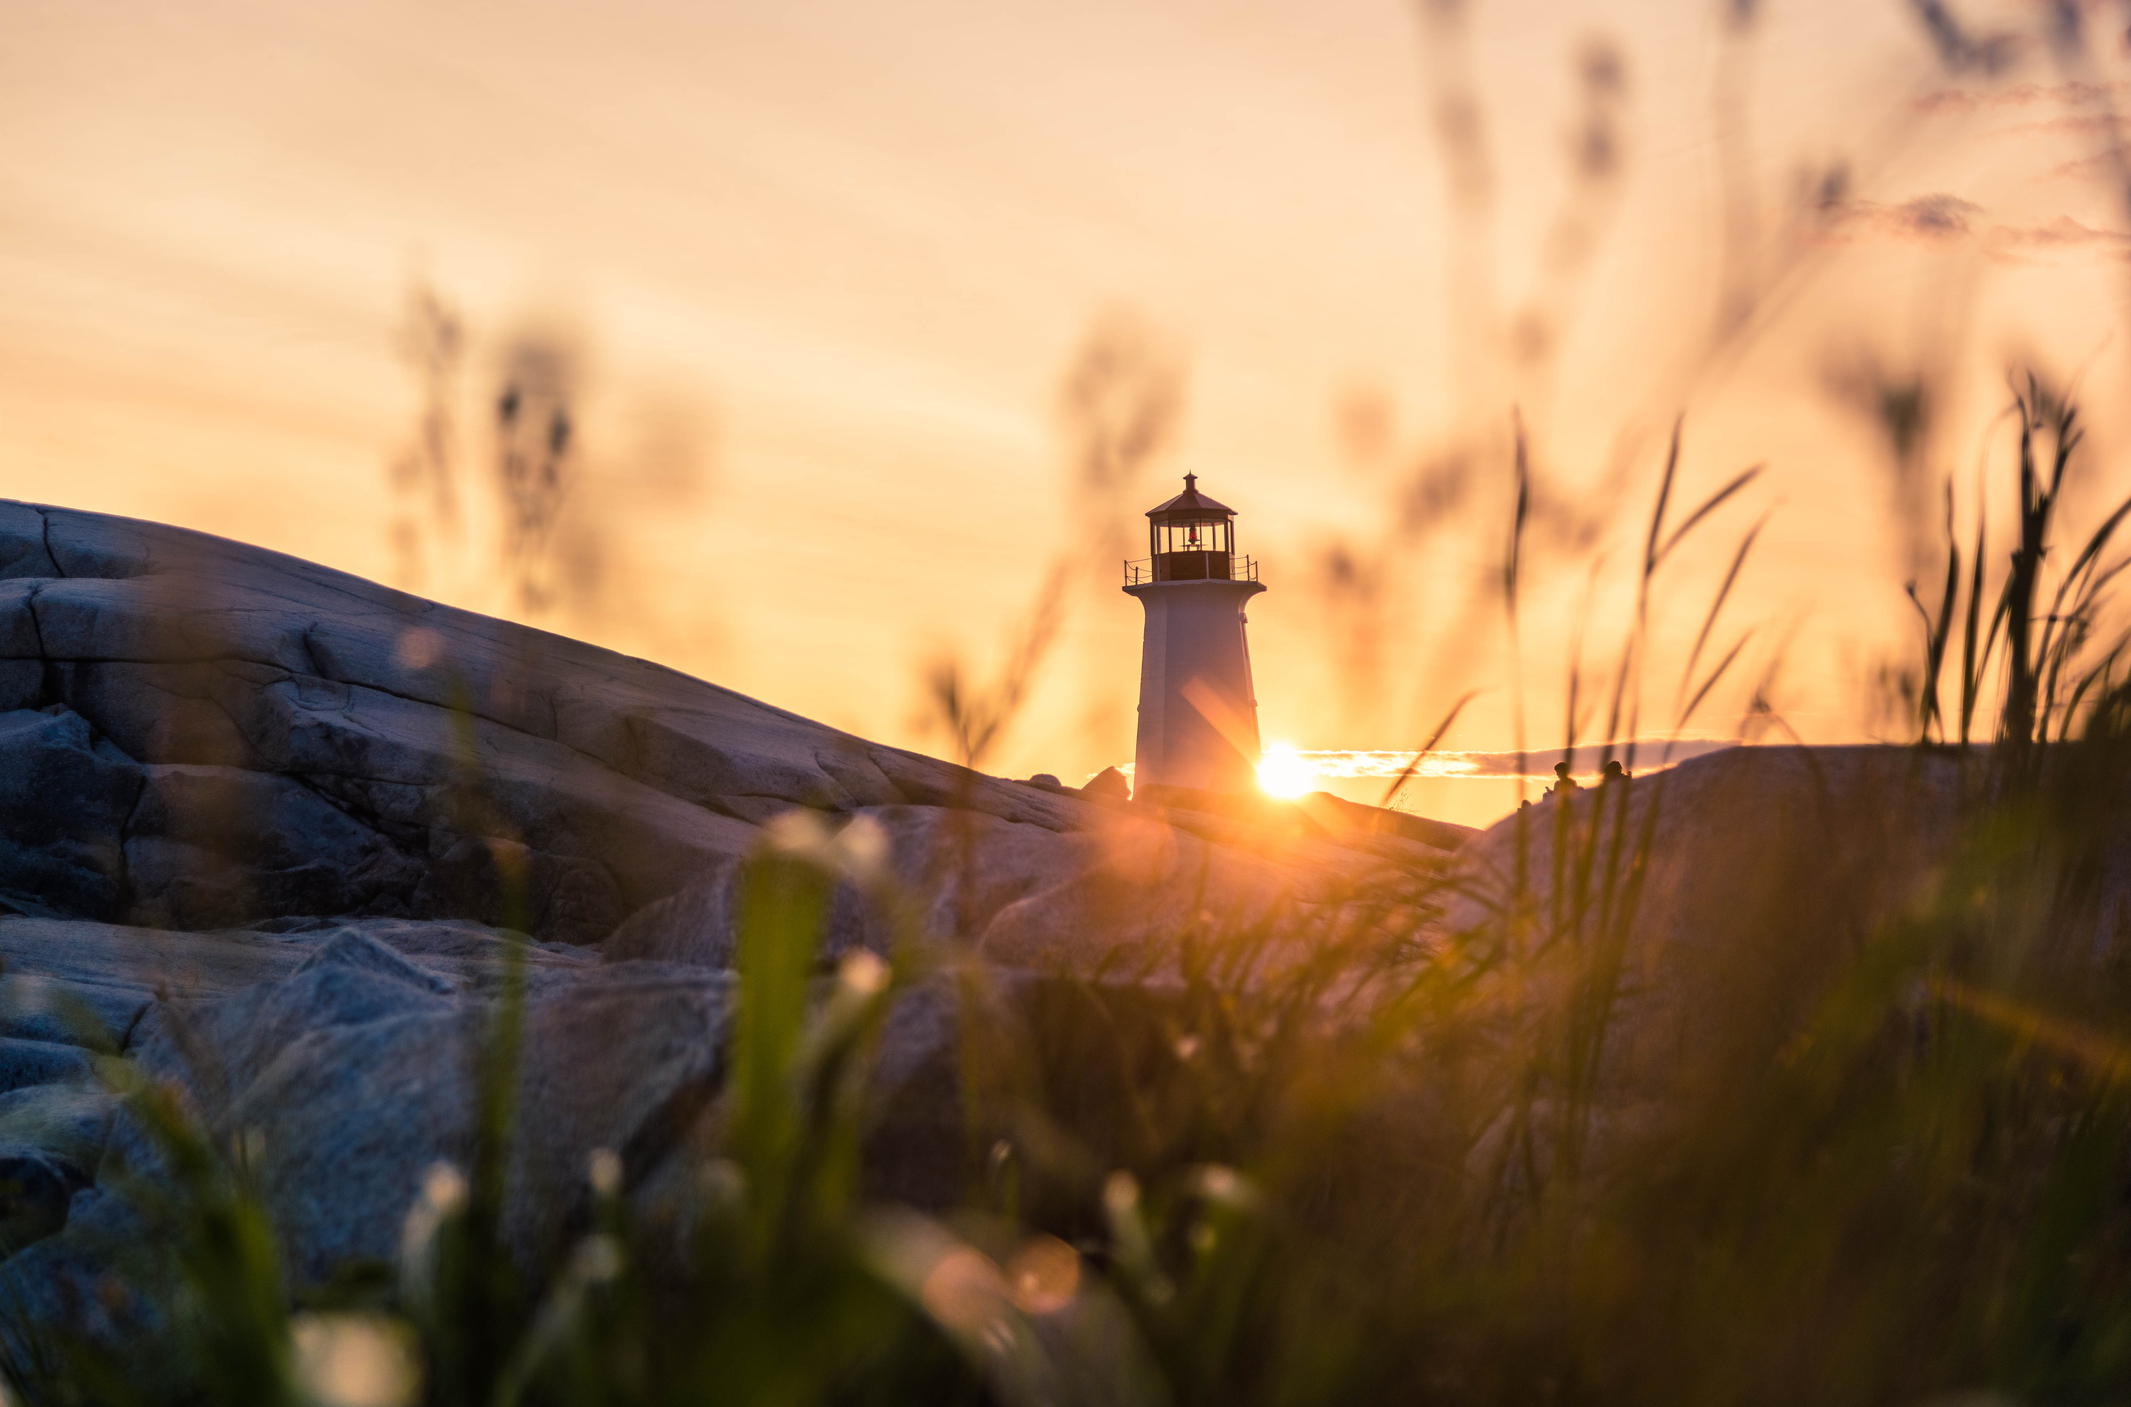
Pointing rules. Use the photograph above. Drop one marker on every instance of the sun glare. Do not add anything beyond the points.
(1282, 772)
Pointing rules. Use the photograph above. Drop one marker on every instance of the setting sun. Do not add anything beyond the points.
(1282, 772)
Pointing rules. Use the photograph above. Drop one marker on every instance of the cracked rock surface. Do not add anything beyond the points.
(202, 734)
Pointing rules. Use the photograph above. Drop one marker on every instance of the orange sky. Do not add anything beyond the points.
(821, 267)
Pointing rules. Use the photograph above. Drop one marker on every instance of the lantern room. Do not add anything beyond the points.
(1190, 538)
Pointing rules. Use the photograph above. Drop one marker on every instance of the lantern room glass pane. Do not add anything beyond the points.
(1196, 535)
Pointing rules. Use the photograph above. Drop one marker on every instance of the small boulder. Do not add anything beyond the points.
(351, 947)
(1108, 785)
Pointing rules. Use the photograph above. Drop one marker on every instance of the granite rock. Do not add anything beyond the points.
(282, 837)
(235, 735)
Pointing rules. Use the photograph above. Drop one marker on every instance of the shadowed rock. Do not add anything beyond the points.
(1728, 880)
(65, 799)
(34, 1192)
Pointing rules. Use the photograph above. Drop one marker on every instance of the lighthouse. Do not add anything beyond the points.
(1198, 717)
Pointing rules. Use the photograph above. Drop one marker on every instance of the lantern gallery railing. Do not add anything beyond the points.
(1191, 566)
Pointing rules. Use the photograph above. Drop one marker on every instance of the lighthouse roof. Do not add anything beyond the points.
(1190, 503)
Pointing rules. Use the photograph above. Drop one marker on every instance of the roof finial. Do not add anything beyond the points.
(1189, 480)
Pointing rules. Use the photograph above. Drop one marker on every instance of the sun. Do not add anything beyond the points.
(1282, 772)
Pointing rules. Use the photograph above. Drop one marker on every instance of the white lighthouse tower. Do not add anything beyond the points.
(1198, 716)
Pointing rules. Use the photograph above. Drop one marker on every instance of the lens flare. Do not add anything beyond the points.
(1282, 772)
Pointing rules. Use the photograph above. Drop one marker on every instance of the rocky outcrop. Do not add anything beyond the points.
(344, 1054)
(271, 831)
(202, 734)
(276, 836)
(1729, 831)
(1726, 891)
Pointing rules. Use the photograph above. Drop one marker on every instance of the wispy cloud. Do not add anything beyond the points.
(2027, 244)
(2112, 123)
(2102, 164)
(1933, 218)
(1942, 218)
(2019, 95)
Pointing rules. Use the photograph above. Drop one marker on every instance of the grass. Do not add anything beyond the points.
(1410, 1148)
